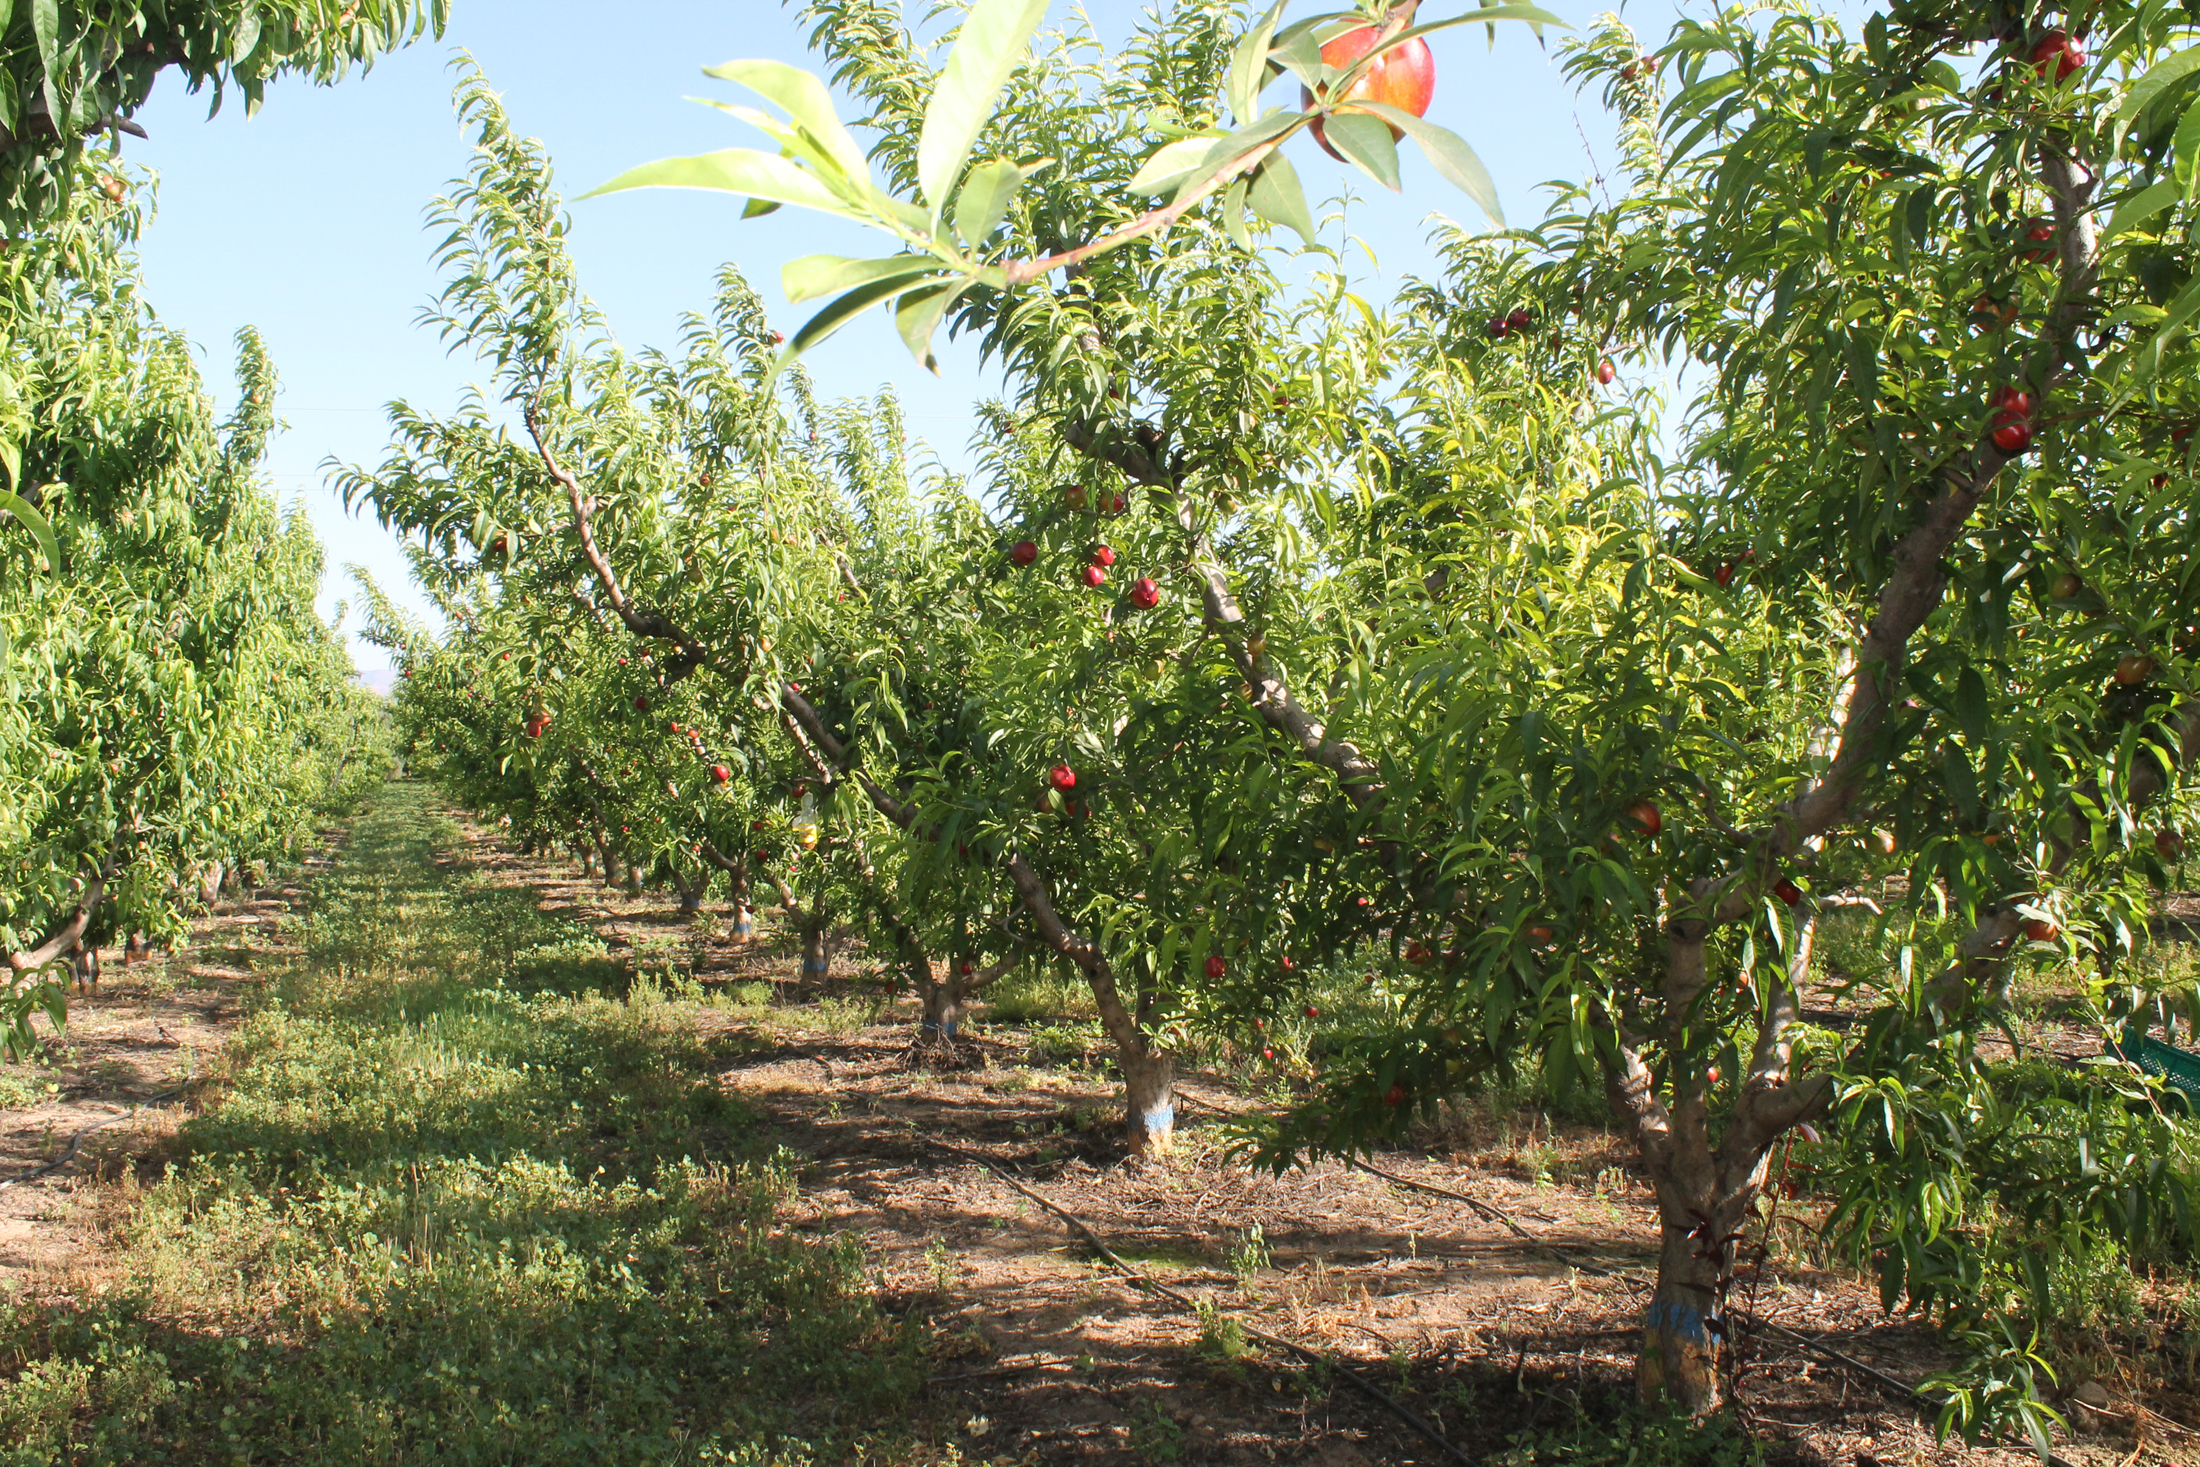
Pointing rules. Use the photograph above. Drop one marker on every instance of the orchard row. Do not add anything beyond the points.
(1277, 633)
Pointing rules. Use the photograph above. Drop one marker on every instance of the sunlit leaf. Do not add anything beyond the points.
(992, 40)
(1249, 64)
(12, 503)
(802, 97)
(734, 171)
(1365, 141)
(1277, 196)
(1447, 152)
(813, 276)
(985, 198)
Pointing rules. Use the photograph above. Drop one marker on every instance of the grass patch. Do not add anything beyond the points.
(468, 1199)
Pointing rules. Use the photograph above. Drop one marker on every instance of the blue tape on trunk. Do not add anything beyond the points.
(1161, 1118)
(1679, 1317)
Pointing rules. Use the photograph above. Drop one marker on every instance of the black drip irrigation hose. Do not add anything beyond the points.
(77, 1140)
(1406, 1414)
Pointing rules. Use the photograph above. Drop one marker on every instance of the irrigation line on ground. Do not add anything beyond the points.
(1366, 1387)
(78, 1140)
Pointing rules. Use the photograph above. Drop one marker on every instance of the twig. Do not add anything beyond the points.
(1093, 1240)
(78, 1140)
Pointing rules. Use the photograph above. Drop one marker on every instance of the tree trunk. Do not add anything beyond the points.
(1684, 1326)
(943, 1010)
(1149, 1082)
(817, 965)
(210, 882)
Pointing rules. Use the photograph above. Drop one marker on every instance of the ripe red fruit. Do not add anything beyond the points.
(2013, 402)
(2040, 241)
(2133, 669)
(1395, 1095)
(2060, 50)
(966, 969)
(1403, 77)
(1712, 1074)
(2170, 845)
(641, 703)
(1497, 330)
(1145, 595)
(1787, 891)
(1095, 575)
(1416, 954)
(1062, 777)
(1646, 817)
(1517, 319)
(1268, 1054)
(719, 774)
(1539, 934)
(2013, 437)
(1312, 1012)
(1074, 496)
(1724, 575)
(1216, 967)
(2039, 929)
(1023, 552)
(763, 855)
(1606, 372)
(504, 657)
(1103, 555)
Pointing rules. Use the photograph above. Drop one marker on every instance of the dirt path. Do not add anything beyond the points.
(1046, 1355)
(137, 1055)
(1039, 1352)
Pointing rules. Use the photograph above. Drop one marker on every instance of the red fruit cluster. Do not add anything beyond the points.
(1646, 816)
(2039, 241)
(1606, 372)
(2060, 50)
(641, 703)
(1145, 595)
(1512, 323)
(1023, 552)
(2012, 427)
(1103, 555)
(535, 727)
(1096, 574)
(1062, 777)
(1216, 967)
(719, 774)
(1787, 891)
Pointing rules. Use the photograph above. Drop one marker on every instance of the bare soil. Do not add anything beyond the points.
(1045, 1354)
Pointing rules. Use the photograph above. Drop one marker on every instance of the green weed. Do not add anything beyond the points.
(468, 1200)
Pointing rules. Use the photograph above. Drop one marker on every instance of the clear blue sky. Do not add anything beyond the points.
(305, 220)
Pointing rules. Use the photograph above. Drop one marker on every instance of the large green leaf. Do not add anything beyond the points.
(46, 27)
(1366, 141)
(2163, 75)
(1172, 163)
(735, 171)
(2143, 205)
(918, 316)
(987, 48)
(819, 275)
(1249, 65)
(15, 504)
(1225, 152)
(804, 98)
(1277, 196)
(844, 310)
(1448, 152)
(985, 198)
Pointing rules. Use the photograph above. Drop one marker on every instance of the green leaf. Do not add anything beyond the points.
(1448, 153)
(918, 316)
(1249, 65)
(987, 48)
(841, 312)
(804, 98)
(1172, 163)
(1536, 18)
(1972, 710)
(1277, 196)
(46, 26)
(817, 275)
(2143, 205)
(985, 198)
(1233, 215)
(2164, 75)
(735, 171)
(247, 34)
(2187, 149)
(15, 504)
(1365, 141)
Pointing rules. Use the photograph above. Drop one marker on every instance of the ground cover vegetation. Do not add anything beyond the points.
(1290, 658)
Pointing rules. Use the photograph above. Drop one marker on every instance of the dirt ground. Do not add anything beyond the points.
(134, 1062)
(1045, 1353)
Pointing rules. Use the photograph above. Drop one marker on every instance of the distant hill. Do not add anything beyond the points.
(381, 680)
